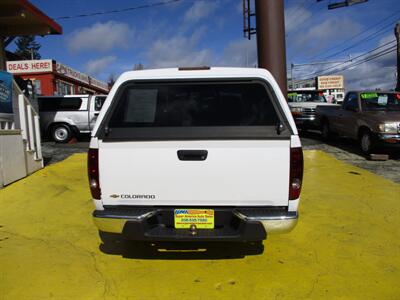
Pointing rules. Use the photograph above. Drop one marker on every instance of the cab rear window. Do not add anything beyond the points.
(59, 104)
(194, 105)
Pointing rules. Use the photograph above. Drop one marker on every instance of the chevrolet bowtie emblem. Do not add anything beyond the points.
(114, 196)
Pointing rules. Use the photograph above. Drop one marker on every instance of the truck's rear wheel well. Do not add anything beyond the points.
(324, 120)
(325, 129)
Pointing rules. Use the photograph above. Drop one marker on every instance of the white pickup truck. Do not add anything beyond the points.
(195, 154)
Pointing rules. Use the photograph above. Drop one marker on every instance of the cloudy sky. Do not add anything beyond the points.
(210, 32)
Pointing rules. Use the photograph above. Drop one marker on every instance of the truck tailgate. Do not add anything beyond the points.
(235, 173)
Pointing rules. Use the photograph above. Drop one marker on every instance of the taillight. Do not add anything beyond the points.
(93, 173)
(296, 172)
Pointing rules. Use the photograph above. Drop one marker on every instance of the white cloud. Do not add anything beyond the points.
(239, 53)
(100, 37)
(179, 51)
(370, 76)
(96, 66)
(199, 10)
(321, 35)
(295, 16)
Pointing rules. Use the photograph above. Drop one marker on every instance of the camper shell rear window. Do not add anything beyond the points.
(192, 110)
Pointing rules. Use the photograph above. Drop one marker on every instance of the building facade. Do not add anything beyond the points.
(54, 78)
(332, 86)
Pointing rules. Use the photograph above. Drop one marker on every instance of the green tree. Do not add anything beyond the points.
(111, 80)
(27, 47)
(138, 66)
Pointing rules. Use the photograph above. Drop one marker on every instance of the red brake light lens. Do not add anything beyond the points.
(296, 172)
(93, 173)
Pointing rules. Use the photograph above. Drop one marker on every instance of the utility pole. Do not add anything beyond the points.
(397, 34)
(291, 75)
(271, 48)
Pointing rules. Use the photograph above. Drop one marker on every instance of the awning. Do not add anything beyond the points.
(20, 17)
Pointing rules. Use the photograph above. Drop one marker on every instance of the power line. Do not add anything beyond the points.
(369, 37)
(372, 57)
(298, 5)
(361, 55)
(356, 63)
(357, 35)
(369, 58)
(296, 11)
(107, 12)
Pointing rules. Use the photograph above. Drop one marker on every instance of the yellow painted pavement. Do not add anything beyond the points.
(346, 245)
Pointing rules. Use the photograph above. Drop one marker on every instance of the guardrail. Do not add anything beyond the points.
(29, 124)
(20, 141)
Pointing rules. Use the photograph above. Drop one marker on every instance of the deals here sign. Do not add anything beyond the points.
(6, 80)
(30, 66)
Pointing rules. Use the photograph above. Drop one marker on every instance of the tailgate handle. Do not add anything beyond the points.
(192, 154)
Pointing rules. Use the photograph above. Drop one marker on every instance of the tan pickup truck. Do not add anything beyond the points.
(371, 117)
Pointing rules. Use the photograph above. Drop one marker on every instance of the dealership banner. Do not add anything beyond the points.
(6, 80)
(330, 82)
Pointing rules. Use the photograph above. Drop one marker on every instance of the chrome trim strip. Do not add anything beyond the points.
(293, 215)
(127, 217)
(274, 224)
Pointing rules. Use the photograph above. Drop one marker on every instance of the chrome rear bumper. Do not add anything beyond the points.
(272, 221)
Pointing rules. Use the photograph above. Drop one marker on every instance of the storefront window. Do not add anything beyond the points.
(38, 86)
(64, 88)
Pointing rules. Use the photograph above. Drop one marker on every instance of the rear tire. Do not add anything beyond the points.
(61, 133)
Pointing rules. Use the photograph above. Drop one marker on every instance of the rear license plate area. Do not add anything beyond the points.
(200, 218)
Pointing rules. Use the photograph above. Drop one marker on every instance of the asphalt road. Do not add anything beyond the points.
(342, 149)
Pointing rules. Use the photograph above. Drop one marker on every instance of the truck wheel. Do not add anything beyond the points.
(325, 131)
(61, 133)
(366, 142)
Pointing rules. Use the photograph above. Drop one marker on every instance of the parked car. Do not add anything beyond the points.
(195, 154)
(62, 117)
(303, 103)
(371, 117)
